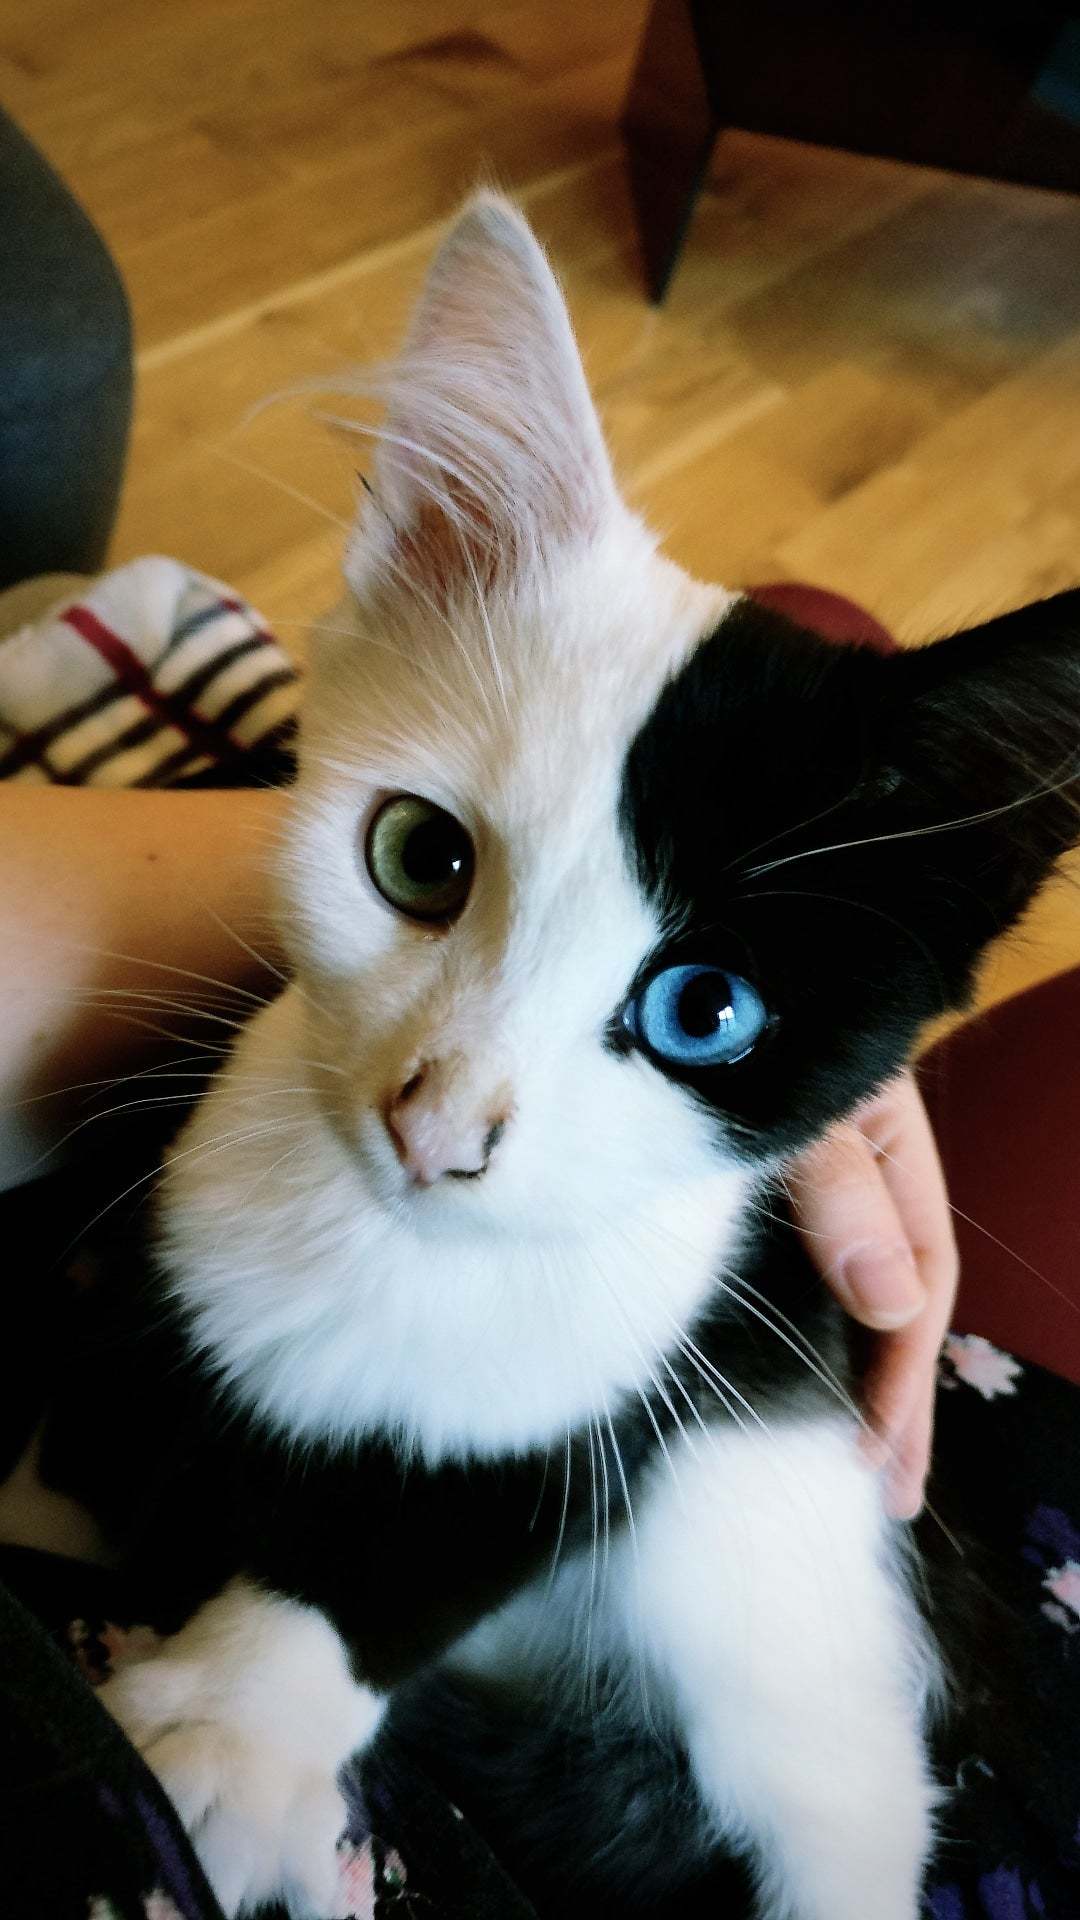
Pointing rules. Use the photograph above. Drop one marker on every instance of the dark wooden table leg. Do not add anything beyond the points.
(669, 130)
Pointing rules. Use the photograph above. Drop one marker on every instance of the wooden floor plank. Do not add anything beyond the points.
(865, 375)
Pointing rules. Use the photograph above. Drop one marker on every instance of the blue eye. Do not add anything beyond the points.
(697, 1016)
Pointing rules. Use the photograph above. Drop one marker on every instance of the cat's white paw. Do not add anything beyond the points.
(246, 1717)
(264, 1826)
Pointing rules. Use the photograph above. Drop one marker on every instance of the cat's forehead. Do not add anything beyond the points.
(753, 744)
(522, 706)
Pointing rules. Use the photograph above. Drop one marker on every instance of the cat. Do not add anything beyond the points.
(486, 1399)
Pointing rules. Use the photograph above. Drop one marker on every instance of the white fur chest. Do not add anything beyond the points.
(759, 1608)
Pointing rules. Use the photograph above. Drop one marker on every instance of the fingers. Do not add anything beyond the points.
(897, 1128)
(901, 1383)
(871, 1203)
(854, 1230)
(898, 1397)
(905, 1485)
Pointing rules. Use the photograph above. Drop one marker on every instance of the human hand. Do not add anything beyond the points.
(871, 1205)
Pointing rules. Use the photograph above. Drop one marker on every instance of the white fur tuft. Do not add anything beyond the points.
(246, 1716)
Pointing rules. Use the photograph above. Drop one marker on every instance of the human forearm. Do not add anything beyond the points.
(111, 905)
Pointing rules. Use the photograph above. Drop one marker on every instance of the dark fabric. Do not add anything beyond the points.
(66, 1772)
(89, 1834)
(1007, 1486)
(88, 1837)
(65, 373)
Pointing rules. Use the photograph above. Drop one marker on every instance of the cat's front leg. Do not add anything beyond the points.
(247, 1716)
(774, 1607)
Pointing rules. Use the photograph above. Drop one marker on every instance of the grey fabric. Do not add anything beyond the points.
(65, 373)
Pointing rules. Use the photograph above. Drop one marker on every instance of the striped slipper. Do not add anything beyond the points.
(152, 676)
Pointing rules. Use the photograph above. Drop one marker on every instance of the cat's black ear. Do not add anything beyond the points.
(491, 453)
(979, 779)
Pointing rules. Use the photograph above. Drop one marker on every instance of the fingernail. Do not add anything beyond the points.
(880, 1285)
(903, 1501)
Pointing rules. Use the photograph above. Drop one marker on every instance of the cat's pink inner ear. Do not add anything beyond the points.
(492, 456)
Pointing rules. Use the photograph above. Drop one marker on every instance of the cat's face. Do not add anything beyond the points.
(666, 914)
(497, 980)
(603, 890)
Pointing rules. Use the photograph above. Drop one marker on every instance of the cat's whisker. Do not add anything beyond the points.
(590, 1608)
(232, 988)
(155, 1102)
(218, 1144)
(858, 906)
(729, 1396)
(560, 1535)
(725, 1389)
(657, 1384)
(785, 833)
(808, 1354)
(170, 1071)
(781, 1176)
(266, 1173)
(175, 1039)
(970, 1221)
(745, 1286)
(260, 959)
(220, 452)
(802, 1496)
(934, 827)
(695, 1411)
(762, 1212)
(817, 1366)
(605, 1498)
(108, 999)
(632, 1533)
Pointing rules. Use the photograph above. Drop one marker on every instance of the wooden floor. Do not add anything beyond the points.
(866, 376)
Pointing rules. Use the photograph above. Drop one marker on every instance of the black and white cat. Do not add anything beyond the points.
(505, 1380)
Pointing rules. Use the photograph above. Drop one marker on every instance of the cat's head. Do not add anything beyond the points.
(602, 874)
(603, 890)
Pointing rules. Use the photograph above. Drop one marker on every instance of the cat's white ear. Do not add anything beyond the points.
(491, 457)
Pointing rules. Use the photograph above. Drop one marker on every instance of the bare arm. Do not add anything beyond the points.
(110, 903)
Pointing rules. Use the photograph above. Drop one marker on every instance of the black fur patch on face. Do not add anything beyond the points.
(803, 812)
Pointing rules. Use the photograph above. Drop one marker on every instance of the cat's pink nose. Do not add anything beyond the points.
(440, 1128)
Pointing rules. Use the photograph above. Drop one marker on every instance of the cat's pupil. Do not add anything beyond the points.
(704, 1005)
(435, 851)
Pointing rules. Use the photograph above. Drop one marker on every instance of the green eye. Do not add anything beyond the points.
(420, 858)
